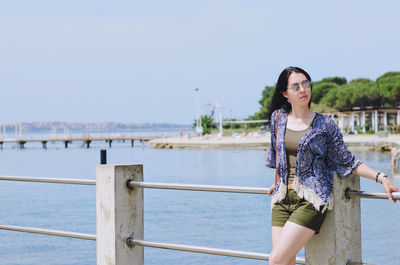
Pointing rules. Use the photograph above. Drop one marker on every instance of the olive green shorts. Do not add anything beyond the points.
(297, 210)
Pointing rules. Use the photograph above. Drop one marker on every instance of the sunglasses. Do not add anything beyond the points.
(305, 84)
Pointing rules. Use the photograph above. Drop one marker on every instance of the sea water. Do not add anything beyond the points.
(220, 220)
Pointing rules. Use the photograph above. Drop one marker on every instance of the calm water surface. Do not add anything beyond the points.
(231, 221)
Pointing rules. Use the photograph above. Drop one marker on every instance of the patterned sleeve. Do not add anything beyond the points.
(339, 158)
(271, 150)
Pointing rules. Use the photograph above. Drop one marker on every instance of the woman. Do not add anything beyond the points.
(306, 148)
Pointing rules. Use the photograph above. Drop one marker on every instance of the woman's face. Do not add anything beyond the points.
(299, 82)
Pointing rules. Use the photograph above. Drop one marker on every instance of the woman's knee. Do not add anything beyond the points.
(276, 258)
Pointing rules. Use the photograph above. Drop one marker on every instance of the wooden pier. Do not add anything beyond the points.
(86, 139)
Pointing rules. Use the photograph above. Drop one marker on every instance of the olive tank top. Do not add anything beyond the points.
(292, 140)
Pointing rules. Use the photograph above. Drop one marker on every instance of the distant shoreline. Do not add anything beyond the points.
(44, 127)
(259, 142)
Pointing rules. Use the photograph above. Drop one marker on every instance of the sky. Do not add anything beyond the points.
(140, 61)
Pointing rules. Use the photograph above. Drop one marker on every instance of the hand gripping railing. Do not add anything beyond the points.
(349, 193)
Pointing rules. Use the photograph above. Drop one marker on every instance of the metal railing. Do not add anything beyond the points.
(50, 180)
(204, 250)
(48, 232)
(130, 241)
(193, 187)
(196, 187)
(252, 190)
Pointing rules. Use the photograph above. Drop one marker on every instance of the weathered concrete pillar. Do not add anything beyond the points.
(119, 215)
(351, 122)
(376, 123)
(385, 123)
(341, 121)
(398, 118)
(340, 237)
(363, 122)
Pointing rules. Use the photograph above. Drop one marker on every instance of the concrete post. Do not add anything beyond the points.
(351, 122)
(376, 124)
(341, 121)
(398, 119)
(385, 123)
(339, 239)
(363, 121)
(119, 215)
(372, 121)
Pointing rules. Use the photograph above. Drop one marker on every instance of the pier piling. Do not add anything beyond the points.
(21, 144)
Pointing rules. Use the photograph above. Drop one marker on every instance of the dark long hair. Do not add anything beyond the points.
(278, 100)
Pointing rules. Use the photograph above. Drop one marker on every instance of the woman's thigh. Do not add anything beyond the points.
(290, 239)
(276, 233)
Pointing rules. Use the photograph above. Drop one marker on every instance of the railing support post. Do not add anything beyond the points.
(340, 237)
(119, 214)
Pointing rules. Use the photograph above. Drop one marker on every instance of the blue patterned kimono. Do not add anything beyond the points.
(321, 152)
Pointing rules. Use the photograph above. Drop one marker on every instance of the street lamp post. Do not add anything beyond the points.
(199, 128)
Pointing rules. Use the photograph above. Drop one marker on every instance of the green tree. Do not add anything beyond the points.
(329, 99)
(335, 93)
(208, 123)
(389, 88)
(265, 102)
(321, 89)
(337, 80)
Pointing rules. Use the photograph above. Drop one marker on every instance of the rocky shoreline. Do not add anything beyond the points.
(261, 142)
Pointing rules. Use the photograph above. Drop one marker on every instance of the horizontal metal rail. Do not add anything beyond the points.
(205, 250)
(48, 232)
(194, 187)
(219, 188)
(50, 180)
(371, 195)
(237, 189)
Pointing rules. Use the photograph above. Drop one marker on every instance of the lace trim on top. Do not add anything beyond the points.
(304, 193)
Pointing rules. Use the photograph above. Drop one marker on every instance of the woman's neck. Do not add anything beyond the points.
(300, 118)
(300, 112)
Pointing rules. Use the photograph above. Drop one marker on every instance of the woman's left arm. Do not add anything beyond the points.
(367, 172)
